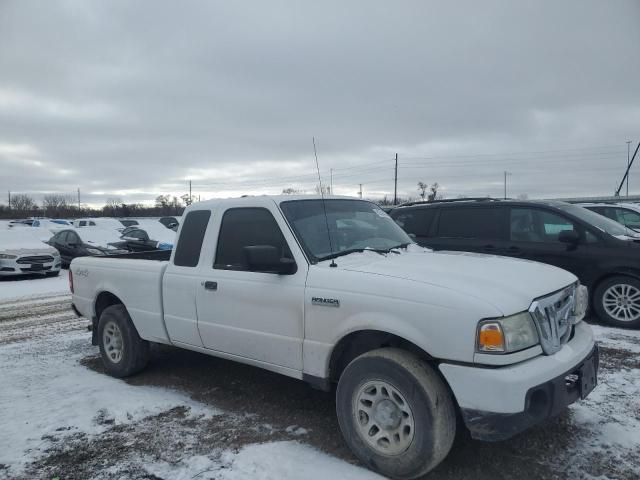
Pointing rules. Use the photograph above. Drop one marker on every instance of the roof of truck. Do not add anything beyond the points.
(265, 198)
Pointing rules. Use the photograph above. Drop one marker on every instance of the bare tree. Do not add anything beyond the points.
(434, 193)
(422, 189)
(292, 191)
(23, 203)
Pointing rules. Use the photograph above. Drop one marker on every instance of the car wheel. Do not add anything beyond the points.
(395, 413)
(122, 350)
(617, 301)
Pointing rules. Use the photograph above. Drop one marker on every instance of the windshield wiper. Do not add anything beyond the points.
(351, 250)
(402, 245)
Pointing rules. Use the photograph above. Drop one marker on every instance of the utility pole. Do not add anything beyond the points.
(9, 199)
(331, 181)
(628, 160)
(360, 192)
(505, 183)
(78, 201)
(395, 184)
(190, 197)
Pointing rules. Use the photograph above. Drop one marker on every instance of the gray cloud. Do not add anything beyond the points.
(131, 99)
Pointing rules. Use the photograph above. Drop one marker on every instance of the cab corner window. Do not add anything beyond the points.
(245, 231)
(191, 238)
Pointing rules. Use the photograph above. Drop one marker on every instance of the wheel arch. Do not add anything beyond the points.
(103, 300)
(359, 342)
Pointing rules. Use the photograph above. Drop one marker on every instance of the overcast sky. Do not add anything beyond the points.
(132, 99)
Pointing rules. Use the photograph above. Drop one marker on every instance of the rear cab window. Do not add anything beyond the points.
(187, 252)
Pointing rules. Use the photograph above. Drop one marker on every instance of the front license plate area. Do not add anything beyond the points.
(37, 267)
(588, 377)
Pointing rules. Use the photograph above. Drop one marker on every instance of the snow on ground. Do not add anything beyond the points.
(33, 285)
(48, 398)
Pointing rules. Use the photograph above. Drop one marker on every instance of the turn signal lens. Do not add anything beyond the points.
(490, 337)
(70, 280)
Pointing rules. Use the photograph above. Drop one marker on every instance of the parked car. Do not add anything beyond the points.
(625, 213)
(603, 254)
(87, 241)
(334, 292)
(106, 223)
(170, 222)
(51, 223)
(135, 239)
(23, 254)
(127, 222)
(20, 223)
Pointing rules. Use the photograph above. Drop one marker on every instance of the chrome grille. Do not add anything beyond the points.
(35, 259)
(554, 316)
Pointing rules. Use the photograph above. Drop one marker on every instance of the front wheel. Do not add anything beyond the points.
(395, 413)
(617, 301)
(122, 350)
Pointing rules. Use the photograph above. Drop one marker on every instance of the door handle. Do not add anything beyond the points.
(209, 285)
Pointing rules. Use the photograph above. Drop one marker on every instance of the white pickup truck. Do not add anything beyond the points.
(334, 292)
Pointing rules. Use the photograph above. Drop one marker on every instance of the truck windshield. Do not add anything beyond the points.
(354, 225)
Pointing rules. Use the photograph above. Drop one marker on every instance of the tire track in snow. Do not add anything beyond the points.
(35, 317)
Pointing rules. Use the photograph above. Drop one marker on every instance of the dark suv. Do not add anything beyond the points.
(603, 254)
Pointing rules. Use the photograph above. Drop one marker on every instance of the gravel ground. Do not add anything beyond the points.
(597, 438)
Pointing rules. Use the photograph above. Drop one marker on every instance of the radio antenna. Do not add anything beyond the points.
(324, 205)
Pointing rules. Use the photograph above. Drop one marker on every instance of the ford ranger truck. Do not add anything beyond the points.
(334, 293)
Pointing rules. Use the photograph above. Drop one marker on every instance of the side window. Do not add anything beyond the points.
(244, 227)
(534, 225)
(36, 223)
(61, 238)
(416, 221)
(83, 223)
(471, 222)
(138, 234)
(628, 218)
(191, 238)
(92, 224)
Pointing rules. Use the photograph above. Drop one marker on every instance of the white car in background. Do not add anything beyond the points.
(21, 253)
(627, 214)
(107, 223)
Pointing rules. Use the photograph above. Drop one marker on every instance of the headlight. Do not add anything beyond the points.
(95, 251)
(4, 256)
(507, 335)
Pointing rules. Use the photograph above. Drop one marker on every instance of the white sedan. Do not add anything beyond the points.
(23, 254)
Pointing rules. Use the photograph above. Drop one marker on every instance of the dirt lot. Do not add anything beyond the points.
(193, 407)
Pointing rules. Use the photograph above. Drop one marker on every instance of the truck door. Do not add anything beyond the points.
(181, 280)
(243, 310)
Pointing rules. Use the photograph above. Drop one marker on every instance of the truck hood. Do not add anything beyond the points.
(510, 285)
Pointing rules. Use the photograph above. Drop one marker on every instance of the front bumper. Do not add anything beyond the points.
(542, 401)
(17, 266)
(497, 403)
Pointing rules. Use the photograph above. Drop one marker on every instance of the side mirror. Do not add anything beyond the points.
(570, 237)
(266, 258)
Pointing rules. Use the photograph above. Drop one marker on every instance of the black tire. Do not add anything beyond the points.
(421, 389)
(134, 352)
(609, 285)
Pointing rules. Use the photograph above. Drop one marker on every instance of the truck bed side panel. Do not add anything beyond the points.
(137, 283)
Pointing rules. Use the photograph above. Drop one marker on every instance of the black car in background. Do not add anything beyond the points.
(603, 254)
(136, 239)
(83, 243)
(169, 222)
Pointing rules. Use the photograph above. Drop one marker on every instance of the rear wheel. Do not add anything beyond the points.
(123, 351)
(395, 413)
(617, 301)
